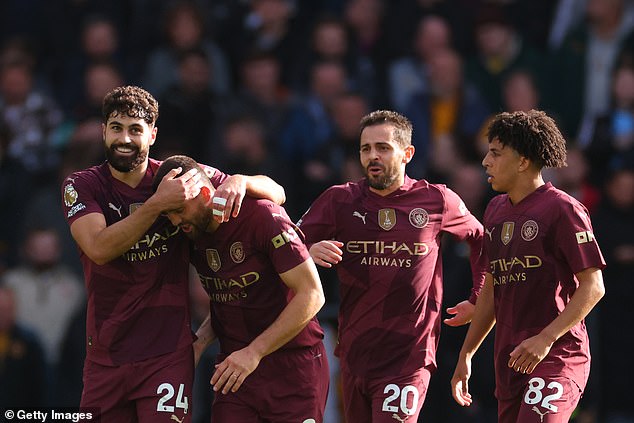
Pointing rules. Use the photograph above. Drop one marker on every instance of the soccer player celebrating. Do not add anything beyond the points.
(383, 234)
(264, 292)
(544, 277)
(139, 358)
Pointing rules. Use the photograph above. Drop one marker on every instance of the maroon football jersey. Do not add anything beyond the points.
(534, 249)
(138, 303)
(391, 272)
(239, 266)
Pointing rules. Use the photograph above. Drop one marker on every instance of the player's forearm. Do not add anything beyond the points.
(114, 240)
(205, 335)
(482, 322)
(586, 296)
(261, 186)
(295, 316)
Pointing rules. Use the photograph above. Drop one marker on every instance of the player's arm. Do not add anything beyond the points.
(481, 325)
(229, 195)
(468, 229)
(532, 351)
(308, 298)
(103, 243)
(205, 335)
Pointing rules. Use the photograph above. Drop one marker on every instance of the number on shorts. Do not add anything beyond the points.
(534, 394)
(181, 400)
(396, 392)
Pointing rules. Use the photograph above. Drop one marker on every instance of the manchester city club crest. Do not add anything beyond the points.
(237, 252)
(418, 217)
(529, 230)
(507, 232)
(70, 195)
(387, 218)
(213, 259)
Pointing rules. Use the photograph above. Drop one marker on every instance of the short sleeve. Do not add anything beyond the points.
(575, 239)
(79, 197)
(279, 237)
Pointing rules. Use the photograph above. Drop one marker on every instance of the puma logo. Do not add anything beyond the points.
(541, 415)
(489, 232)
(276, 215)
(360, 216)
(115, 208)
(177, 419)
(397, 417)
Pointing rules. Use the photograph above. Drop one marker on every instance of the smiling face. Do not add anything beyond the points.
(383, 158)
(127, 142)
(502, 165)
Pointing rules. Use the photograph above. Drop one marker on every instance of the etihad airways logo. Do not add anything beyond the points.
(507, 265)
(511, 270)
(387, 247)
(223, 290)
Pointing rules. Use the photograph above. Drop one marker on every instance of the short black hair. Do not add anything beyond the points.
(532, 134)
(186, 163)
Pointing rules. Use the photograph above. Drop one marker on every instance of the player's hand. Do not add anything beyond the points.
(527, 355)
(173, 191)
(326, 253)
(460, 382)
(228, 198)
(463, 313)
(234, 369)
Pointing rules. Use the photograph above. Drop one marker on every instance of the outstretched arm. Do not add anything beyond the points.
(103, 243)
(229, 195)
(481, 325)
(528, 354)
(304, 281)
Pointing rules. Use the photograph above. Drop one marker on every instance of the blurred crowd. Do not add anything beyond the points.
(278, 87)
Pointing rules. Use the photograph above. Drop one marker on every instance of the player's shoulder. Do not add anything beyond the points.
(346, 191)
(556, 199)
(441, 192)
(90, 174)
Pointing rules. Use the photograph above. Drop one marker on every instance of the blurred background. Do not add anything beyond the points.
(278, 87)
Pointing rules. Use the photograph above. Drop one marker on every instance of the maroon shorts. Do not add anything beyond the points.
(288, 386)
(544, 400)
(158, 389)
(384, 400)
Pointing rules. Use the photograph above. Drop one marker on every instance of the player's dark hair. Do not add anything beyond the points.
(130, 101)
(532, 134)
(186, 163)
(402, 125)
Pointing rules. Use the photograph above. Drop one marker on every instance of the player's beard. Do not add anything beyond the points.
(125, 163)
(198, 225)
(383, 181)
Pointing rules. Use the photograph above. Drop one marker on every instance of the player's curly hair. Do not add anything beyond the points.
(402, 125)
(131, 101)
(532, 134)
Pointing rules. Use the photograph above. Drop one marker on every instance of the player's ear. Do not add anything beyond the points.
(409, 153)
